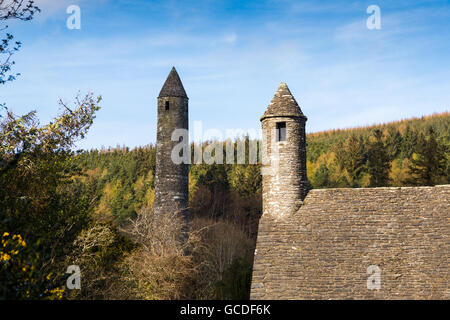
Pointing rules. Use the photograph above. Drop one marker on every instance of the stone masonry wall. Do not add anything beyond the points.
(171, 180)
(284, 181)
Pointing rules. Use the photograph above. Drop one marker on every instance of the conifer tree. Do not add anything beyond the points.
(321, 177)
(355, 157)
(429, 165)
(393, 143)
(378, 164)
(409, 142)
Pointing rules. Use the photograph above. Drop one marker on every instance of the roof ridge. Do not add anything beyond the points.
(392, 188)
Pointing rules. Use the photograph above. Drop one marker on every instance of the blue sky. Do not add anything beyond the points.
(231, 56)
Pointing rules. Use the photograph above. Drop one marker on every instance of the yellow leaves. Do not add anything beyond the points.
(149, 197)
(107, 197)
(193, 186)
(21, 263)
(19, 239)
(10, 247)
(104, 172)
(58, 292)
(55, 293)
(365, 180)
(399, 172)
(330, 158)
(5, 256)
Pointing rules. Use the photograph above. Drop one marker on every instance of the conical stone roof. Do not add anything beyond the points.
(173, 87)
(283, 104)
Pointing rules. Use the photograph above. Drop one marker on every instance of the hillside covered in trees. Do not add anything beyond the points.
(94, 208)
(404, 153)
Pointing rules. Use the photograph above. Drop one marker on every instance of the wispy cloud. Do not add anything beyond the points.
(53, 9)
(393, 26)
(230, 38)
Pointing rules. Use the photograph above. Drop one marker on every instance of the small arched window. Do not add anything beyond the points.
(167, 105)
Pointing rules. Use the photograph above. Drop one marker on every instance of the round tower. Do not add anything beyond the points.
(171, 177)
(284, 180)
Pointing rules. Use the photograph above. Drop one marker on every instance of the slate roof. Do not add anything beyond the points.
(323, 251)
(283, 104)
(173, 87)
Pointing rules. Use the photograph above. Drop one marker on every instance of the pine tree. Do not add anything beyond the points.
(378, 163)
(355, 157)
(429, 165)
(393, 143)
(340, 154)
(409, 142)
(321, 177)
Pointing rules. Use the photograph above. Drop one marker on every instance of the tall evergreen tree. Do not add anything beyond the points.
(429, 166)
(355, 157)
(409, 142)
(341, 156)
(321, 177)
(393, 143)
(378, 163)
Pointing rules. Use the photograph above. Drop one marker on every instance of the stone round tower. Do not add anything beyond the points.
(171, 178)
(284, 180)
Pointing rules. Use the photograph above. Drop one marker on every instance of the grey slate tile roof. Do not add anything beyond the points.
(283, 104)
(323, 251)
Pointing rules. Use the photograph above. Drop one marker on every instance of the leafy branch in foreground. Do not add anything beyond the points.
(12, 9)
(22, 137)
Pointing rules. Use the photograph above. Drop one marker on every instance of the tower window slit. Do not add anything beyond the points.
(281, 131)
(167, 105)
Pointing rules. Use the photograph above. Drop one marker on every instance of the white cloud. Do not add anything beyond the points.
(230, 38)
